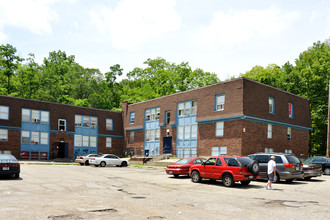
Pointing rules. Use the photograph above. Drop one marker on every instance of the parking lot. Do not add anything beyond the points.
(80, 192)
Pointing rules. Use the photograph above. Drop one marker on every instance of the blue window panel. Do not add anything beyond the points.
(86, 131)
(78, 151)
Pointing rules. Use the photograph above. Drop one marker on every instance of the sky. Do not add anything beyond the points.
(219, 36)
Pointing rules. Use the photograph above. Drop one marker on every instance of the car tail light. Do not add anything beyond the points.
(288, 165)
(81, 158)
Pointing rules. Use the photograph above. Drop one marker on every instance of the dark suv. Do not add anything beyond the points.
(288, 166)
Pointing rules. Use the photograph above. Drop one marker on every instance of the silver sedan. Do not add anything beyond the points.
(108, 160)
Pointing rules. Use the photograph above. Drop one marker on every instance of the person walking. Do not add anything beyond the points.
(271, 171)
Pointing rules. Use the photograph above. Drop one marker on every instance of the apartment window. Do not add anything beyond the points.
(36, 116)
(25, 137)
(218, 151)
(85, 142)
(194, 132)
(147, 135)
(77, 140)
(289, 134)
(92, 141)
(269, 131)
(157, 113)
(86, 121)
(4, 112)
(152, 114)
(168, 117)
(157, 134)
(131, 137)
(93, 122)
(34, 137)
(26, 113)
(43, 138)
(290, 107)
(187, 108)
(219, 129)
(271, 104)
(152, 135)
(269, 150)
(220, 102)
(78, 120)
(288, 151)
(3, 135)
(181, 109)
(108, 142)
(187, 132)
(109, 124)
(147, 115)
(44, 117)
(61, 124)
(180, 132)
(132, 118)
(194, 107)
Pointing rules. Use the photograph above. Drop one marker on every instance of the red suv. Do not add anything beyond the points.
(229, 169)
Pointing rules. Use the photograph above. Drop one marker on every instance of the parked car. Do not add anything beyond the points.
(288, 166)
(9, 165)
(311, 170)
(229, 169)
(323, 161)
(182, 166)
(108, 160)
(84, 160)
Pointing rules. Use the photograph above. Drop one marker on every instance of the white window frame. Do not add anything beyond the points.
(147, 135)
(85, 141)
(44, 138)
(216, 151)
(108, 142)
(180, 132)
(25, 137)
(86, 121)
(152, 135)
(35, 137)
(92, 141)
(194, 107)
(287, 151)
(219, 130)
(4, 112)
(3, 135)
(269, 150)
(26, 115)
(157, 113)
(269, 131)
(194, 132)
(152, 114)
(109, 124)
(181, 109)
(78, 120)
(157, 134)
(271, 105)
(187, 108)
(44, 117)
(93, 122)
(131, 136)
(289, 133)
(220, 102)
(187, 132)
(60, 125)
(35, 116)
(78, 140)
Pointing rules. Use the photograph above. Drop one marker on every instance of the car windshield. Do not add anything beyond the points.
(183, 161)
(292, 159)
(244, 161)
(309, 159)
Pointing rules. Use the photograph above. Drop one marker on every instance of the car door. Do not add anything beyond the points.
(208, 167)
(113, 160)
(218, 169)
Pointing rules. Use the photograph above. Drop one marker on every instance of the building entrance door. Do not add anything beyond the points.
(167, 145)
(63, 150)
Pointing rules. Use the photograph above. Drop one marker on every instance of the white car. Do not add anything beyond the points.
(84, 160)
(108, 160)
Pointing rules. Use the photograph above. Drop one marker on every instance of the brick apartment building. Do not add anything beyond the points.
(40, 130)
(238, 117)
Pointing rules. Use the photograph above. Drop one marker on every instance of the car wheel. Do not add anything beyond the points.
(102, 164)
(245, 182)
(253, 168)
(195, 177)
(81, 164)
(87, 163)
(124, 164)
(16, 175)
(228, 180)
(326, 171)
(176, 175)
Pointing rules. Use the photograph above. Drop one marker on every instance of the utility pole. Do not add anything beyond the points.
(328, 138)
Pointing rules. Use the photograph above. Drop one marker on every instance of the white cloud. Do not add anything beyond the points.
(33, 15)
(132, 23)
(240, 26)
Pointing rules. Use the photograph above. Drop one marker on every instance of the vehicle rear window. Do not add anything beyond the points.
(292, 159)
(244, 161)
(278, 159)
(183, 161)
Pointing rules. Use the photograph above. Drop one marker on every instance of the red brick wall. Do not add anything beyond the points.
(13, 144)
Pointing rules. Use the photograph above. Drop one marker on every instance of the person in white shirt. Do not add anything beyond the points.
(271, 171)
